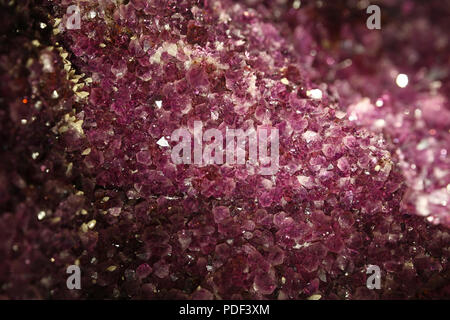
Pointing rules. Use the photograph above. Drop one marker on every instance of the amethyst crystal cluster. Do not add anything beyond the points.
(87, 177)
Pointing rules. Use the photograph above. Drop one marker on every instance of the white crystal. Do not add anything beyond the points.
(315, 94)
(402, 80)
(163, 142)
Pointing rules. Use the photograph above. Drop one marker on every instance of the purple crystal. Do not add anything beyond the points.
(87, 178)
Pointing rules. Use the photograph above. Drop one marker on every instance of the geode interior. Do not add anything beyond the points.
(86, 175)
